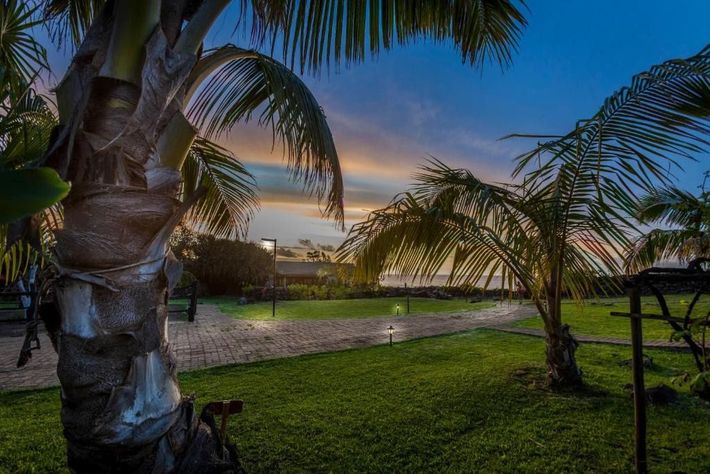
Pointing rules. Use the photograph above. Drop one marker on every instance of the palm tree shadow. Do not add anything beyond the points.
(535, 378)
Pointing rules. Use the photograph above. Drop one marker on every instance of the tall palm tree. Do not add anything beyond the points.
(566, 222)
(139, 109)
(685, 234)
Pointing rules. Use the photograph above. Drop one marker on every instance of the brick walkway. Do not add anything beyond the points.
(216, 339)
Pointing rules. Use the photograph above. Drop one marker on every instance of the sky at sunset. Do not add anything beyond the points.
(391, 113)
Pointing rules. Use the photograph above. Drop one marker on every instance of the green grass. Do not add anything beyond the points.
(342, 309)
(593, 319)
(459, 403)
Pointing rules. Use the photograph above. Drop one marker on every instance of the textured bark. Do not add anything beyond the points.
(122, 409)
(562, 370)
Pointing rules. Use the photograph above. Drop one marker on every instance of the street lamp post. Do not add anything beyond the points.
(273, 278)
(407, 292)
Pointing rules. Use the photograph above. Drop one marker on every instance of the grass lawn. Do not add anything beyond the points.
(458, 403)
(342, 309)
(592, 319)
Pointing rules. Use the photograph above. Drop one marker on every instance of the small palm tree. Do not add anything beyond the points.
(516, 231)
(140, 109)
(567, 221)
(685, 235)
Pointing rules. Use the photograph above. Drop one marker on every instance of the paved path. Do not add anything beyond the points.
(654, 344)
(216, 339)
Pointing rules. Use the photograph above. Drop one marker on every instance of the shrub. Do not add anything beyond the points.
(186, 279)
(222, 266)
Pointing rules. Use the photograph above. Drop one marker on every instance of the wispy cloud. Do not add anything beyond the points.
(378, 160)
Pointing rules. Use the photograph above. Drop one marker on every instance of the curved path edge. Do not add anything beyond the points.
(654, 344)
(215, 339)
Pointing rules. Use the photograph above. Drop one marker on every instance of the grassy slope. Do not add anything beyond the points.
(448, 403)
(593, 318)
(337, 309)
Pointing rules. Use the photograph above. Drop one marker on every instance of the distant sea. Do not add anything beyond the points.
(438, 280)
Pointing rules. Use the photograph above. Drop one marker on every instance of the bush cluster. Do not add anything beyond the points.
(221, 266)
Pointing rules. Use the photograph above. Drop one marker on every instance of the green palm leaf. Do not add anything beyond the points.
(674, 207)
(313, 33)
(640, 133)
(25, 192)
(69, 20)
(230, 199)
(658, 244)
(482, 230)
(628, 147)
(25, 128)
(246, 82)
(21, 56)
(687, 238)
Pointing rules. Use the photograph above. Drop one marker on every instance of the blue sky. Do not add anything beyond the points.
(390, 113)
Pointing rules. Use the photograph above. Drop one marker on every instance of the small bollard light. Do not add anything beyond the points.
(391, 331)
(397, 309)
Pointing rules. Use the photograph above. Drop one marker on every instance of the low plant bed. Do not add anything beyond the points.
(343, 309)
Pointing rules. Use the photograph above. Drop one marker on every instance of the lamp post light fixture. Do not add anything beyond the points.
(397, 309)
(272, 242)
(391, 331)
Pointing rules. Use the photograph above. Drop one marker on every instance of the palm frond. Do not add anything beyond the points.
(674, 207)
(247, 82)
(314, 33)
(658, 245)
(15, 260)
(688, 217)
(21, 55)
(17, 257)
(638, 137)
(69, 20)
(230, 200)
(482, 230)
(25, 128)
(632, 144)
(449, 213)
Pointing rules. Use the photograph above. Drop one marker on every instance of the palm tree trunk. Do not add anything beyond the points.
(122, 409)
(121, 404)
(562, 370)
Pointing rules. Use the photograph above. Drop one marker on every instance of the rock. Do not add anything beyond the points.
(661, 395)
(658, 395)
(440, 295)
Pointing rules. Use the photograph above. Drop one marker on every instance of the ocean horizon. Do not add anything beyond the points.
(437, 280)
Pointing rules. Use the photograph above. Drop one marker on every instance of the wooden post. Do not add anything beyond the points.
(407, 292)
(639, 387)
(225, 408)
(192, 310)
(273, 286)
